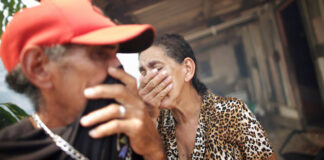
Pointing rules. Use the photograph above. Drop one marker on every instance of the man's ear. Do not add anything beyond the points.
(190, 68)
(33, 63)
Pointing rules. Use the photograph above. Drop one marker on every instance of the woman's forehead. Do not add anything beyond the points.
(153, 52)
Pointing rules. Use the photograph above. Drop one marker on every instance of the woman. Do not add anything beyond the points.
(194, 123)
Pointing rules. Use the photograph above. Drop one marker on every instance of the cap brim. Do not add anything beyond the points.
(132, 38)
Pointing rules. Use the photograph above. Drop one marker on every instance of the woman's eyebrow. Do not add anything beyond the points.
(153, 63)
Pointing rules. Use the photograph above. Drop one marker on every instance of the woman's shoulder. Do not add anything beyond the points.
(220, 103)
(227, 111)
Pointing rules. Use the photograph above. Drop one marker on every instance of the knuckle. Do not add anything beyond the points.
(160, 96)
(141, 105)
(159, 88)
(100, 130)
(119, 90)
(142, 92)
(114, 109)
(145, 80)
(162, 76)
(138, 124)
(151, 85)
(164, 92)
(152, 104)
(132, 80)
(116, 125)
(146, 98)
(100, 90)
(141, 86)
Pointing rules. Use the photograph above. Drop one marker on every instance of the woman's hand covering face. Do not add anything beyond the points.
(154, 87)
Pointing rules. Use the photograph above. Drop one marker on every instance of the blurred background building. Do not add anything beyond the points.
(270, 53)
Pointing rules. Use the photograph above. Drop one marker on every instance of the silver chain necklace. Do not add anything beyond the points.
(59, 141)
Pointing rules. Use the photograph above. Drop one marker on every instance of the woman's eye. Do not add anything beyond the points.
(159, 68)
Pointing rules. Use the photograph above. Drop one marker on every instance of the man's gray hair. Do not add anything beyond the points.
(19, 82)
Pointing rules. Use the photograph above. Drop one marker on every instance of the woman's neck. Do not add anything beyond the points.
(188, 108)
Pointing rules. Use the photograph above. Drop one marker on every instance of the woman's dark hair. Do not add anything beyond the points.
(178, 49)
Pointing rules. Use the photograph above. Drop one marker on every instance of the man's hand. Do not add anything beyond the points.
(153, 89)
(136, 123)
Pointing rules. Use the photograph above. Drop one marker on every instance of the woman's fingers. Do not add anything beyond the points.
(147, 78)
(162, 87)
(154, 82)
(162, 94)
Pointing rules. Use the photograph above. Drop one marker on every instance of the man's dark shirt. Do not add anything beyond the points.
(22, 141)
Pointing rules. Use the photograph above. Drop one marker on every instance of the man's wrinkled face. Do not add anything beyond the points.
(79, 68)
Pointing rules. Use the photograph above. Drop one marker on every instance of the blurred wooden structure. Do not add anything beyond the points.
(269, 53)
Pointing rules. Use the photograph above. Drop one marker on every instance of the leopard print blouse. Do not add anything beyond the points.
(227, 130)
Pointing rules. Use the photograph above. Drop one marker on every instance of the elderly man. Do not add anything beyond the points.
(58, 54)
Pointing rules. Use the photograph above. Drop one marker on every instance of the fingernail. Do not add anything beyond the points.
(112, 69)
(170, 85)
(89, 91)
(84, 120)
(155, 70)
(164, 72)
(93, 133)
(169, 78)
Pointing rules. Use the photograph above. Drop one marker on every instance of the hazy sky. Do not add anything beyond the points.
(7, 95)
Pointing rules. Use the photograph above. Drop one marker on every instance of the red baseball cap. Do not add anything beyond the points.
(69, 21)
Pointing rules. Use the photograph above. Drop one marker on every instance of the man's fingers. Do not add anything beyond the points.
(114, 127)
(104, 114)
(124, 77)
(106, 129)
(120, 93)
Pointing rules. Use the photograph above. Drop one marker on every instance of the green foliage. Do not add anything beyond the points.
(15, 110)
(10, 7)
(10, 113)
(6, 118)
